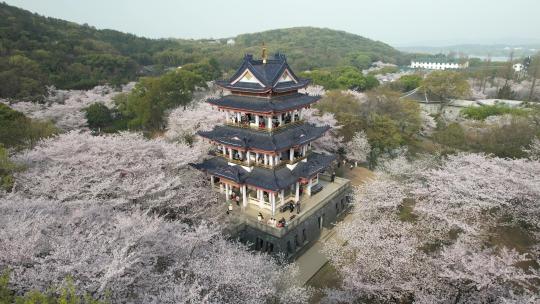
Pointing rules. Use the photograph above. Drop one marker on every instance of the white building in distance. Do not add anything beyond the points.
(437, 64)
(518, 67)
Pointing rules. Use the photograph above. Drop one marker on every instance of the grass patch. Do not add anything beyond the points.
(406, 211)
(511, 237)
(484, 111)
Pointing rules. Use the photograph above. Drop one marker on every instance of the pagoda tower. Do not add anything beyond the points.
(263, 160)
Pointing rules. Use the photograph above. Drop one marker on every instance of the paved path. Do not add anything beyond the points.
(313, 260)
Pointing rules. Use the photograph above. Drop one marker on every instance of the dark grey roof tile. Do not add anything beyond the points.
(269, 179)
(265, 105)
(275, 141)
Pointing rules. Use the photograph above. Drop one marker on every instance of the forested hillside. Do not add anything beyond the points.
(309, 47)
(37, 51)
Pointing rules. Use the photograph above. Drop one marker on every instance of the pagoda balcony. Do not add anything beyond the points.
(309, 205)
(263, 128)
(243, 162)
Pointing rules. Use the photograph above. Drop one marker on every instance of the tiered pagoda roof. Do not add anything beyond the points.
(246, 138)
(264, 76)
(264, 105)
(271, 179)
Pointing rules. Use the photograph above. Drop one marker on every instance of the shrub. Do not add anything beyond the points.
(484, 111)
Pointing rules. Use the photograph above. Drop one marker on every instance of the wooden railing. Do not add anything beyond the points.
(265, 129)
(257, 164)
(292, 224)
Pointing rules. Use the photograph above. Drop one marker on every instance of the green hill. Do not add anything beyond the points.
(36, 51)
(309, 47)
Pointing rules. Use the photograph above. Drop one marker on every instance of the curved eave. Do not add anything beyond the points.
(316, 163)
(302, 83)
(228, 86)
(262, 141)
(261, 105)
(220, 168)
(268, 179)
(223, 140)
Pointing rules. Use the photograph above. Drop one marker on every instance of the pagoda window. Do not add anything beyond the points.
(252, 119)
(261, 122)
(276, 121)
(252, 193)
(296, 116)
(287, 117)
(265, 197)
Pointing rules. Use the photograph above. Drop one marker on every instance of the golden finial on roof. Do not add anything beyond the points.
(264, 53)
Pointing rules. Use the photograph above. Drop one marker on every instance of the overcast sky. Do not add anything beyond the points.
(397, 22)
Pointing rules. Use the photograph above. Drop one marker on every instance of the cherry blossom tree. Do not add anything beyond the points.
(136, 257)
(127, 216)
(358, 148)
(313, 90)
(436, 234)
(153, 173)
(184, 122)
(64, 107)
(330, 141)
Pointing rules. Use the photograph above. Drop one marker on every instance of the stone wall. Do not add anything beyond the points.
(296, 241)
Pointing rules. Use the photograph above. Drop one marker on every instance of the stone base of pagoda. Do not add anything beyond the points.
(319, 211)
